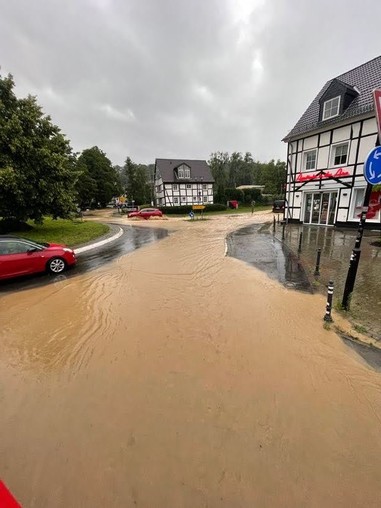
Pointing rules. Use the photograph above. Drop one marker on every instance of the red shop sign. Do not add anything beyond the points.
(339, 173)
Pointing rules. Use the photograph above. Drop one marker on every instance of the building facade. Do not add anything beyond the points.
(327, 149)
(180, 182)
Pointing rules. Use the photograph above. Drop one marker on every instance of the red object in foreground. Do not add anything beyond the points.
(6, 498)
(19, 256)
(146, 213)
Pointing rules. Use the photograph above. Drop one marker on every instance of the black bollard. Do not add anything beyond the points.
(278, 218)
(283, 229)
(317, 268)
(351, 277)
(300, 241)
(328, 309)
(274, 225)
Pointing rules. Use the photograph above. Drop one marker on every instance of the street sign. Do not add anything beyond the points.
(377, 107)
(198, 207)
(372, 166)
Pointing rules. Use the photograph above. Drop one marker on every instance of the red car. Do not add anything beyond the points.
(146, 213)
(19, 256)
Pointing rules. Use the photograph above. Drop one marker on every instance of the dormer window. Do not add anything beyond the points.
(183, 171)
(331, 108)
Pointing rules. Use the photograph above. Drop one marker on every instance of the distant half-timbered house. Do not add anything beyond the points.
(180, 182)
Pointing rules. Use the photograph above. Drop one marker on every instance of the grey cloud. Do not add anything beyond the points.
(156, 78)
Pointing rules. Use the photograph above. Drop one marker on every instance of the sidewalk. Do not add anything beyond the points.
(336, 246)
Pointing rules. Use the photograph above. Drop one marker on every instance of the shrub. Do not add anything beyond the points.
(215, 207)
(176, 209)
(179, 210)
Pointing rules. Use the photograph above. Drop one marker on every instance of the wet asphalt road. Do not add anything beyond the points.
(132, 239)
(255, 245)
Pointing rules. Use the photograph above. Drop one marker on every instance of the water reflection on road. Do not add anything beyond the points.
(256, 246)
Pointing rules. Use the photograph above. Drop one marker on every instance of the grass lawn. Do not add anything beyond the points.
(69, 232)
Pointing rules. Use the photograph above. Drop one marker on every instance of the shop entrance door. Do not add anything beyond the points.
(319, 208)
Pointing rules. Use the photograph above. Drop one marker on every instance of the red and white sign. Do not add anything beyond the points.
(377, 107)
(306, 177)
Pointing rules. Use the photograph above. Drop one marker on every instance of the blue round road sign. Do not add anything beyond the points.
(372, 166)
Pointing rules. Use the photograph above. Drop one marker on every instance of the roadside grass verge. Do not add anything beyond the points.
(68, 232)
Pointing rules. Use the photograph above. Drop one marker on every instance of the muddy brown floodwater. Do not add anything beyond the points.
(179, 377)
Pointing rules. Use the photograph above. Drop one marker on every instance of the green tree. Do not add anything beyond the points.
(231, 171)
(138, 186)
(37, 167)
(219, 166)
(97, 171)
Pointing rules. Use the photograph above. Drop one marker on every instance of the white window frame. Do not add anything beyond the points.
(333, 154)
(175, 186)
(188, 186)
(183, 198)
(326, 107)
(204, 186)
(176, 200)
(180, 172)
(305, 159)
(354, 211)
(186, 172)
(205, 199)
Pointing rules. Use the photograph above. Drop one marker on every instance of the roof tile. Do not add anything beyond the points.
(365, 78)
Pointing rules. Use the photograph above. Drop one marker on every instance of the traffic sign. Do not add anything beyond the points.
(377, 107)
(372, 166)
(198, 207)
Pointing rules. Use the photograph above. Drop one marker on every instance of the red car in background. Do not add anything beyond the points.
(146, 213)
(19, 256)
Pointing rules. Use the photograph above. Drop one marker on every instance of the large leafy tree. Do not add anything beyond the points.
(137, 177)
(231, 171)
(37, 170)
(98, 180)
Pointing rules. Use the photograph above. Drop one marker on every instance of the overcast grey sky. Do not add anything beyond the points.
(182, 78)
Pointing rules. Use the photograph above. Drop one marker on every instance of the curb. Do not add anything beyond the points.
(95, 245)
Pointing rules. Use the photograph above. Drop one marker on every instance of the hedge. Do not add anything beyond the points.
(179, 210)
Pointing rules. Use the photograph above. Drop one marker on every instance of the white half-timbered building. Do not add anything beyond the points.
(180, 182)
(327, 149)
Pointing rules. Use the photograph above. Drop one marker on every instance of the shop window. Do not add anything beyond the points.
(358, 201)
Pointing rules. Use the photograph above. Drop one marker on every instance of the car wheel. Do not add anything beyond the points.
(56, 265)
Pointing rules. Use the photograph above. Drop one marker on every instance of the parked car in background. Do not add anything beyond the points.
(19, 256)
(146, 213)
(279, 206)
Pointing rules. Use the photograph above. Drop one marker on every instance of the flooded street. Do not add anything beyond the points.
(336, 247)
(176, 376)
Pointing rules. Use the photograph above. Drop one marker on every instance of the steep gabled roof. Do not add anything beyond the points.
(200, 171)
(364, 79)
